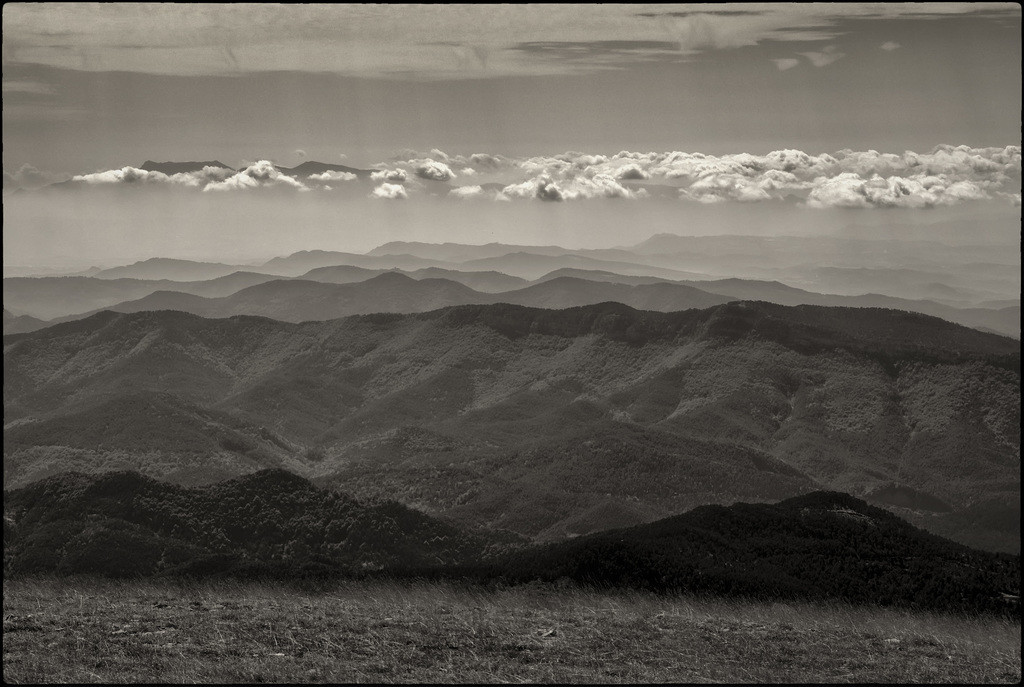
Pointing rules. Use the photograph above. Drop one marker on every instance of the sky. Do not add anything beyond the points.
(633, 119)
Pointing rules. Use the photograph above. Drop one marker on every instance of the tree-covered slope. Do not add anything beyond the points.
(122, 523)
(822, 545)
(444, 409)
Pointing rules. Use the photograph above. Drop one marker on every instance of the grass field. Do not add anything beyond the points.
(86, 630)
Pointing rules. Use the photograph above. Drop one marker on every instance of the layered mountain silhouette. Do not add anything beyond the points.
(171, 270)
(313, 296)
(546, 422)
(18, 324)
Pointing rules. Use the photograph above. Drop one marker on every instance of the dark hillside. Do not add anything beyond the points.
(823, 545)
(122, 523)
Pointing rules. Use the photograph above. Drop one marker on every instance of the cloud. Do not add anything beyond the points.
(827, 56)
(467, 192)
(850, 190)
(396, 176)
(301, 153)
(125, 175)
(631, 171)
(889, 46)
(583, 187)
(721, 187)
(428, 41)
(390, 192)
(542, 188)
(432, 169)
(332, 175)
(784, 63)
(944, 175)
(28, 177)
(485, 160)
(260, 174)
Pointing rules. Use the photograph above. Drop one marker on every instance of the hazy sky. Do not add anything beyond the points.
(89, 88)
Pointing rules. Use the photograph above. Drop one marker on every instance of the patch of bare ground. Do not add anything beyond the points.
(83, 630)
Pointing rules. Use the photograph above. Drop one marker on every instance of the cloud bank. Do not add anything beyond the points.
(946, 175)
(435, 41)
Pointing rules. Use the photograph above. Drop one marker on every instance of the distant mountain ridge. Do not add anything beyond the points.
(246, 293)
(309, 167)
(172, 168)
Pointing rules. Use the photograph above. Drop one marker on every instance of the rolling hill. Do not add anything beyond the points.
(820, 546)
(123, 524)
(499, 414)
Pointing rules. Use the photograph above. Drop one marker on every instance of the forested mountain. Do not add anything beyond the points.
(124, 524)
(824, 545)
(551, 423)
(819, 546)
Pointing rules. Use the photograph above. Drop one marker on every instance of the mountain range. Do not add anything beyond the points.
(337, 291)
(549, 423)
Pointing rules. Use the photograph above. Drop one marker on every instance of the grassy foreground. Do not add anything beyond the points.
(84, 630)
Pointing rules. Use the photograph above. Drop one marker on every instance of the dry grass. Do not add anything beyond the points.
(156, 631)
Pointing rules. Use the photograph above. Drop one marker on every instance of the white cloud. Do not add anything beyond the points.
(259, 174)
(631, 171)
(542, 188)
(395, 176)
(485, 160)
(889, 46)
(784, 63)
(125, 175)
(332, 175)
(720, 187)
(201, 178)
(466, 192)
(582, 187)
(850, 190)
(432, 169)
(945, 175)
(390, 192)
